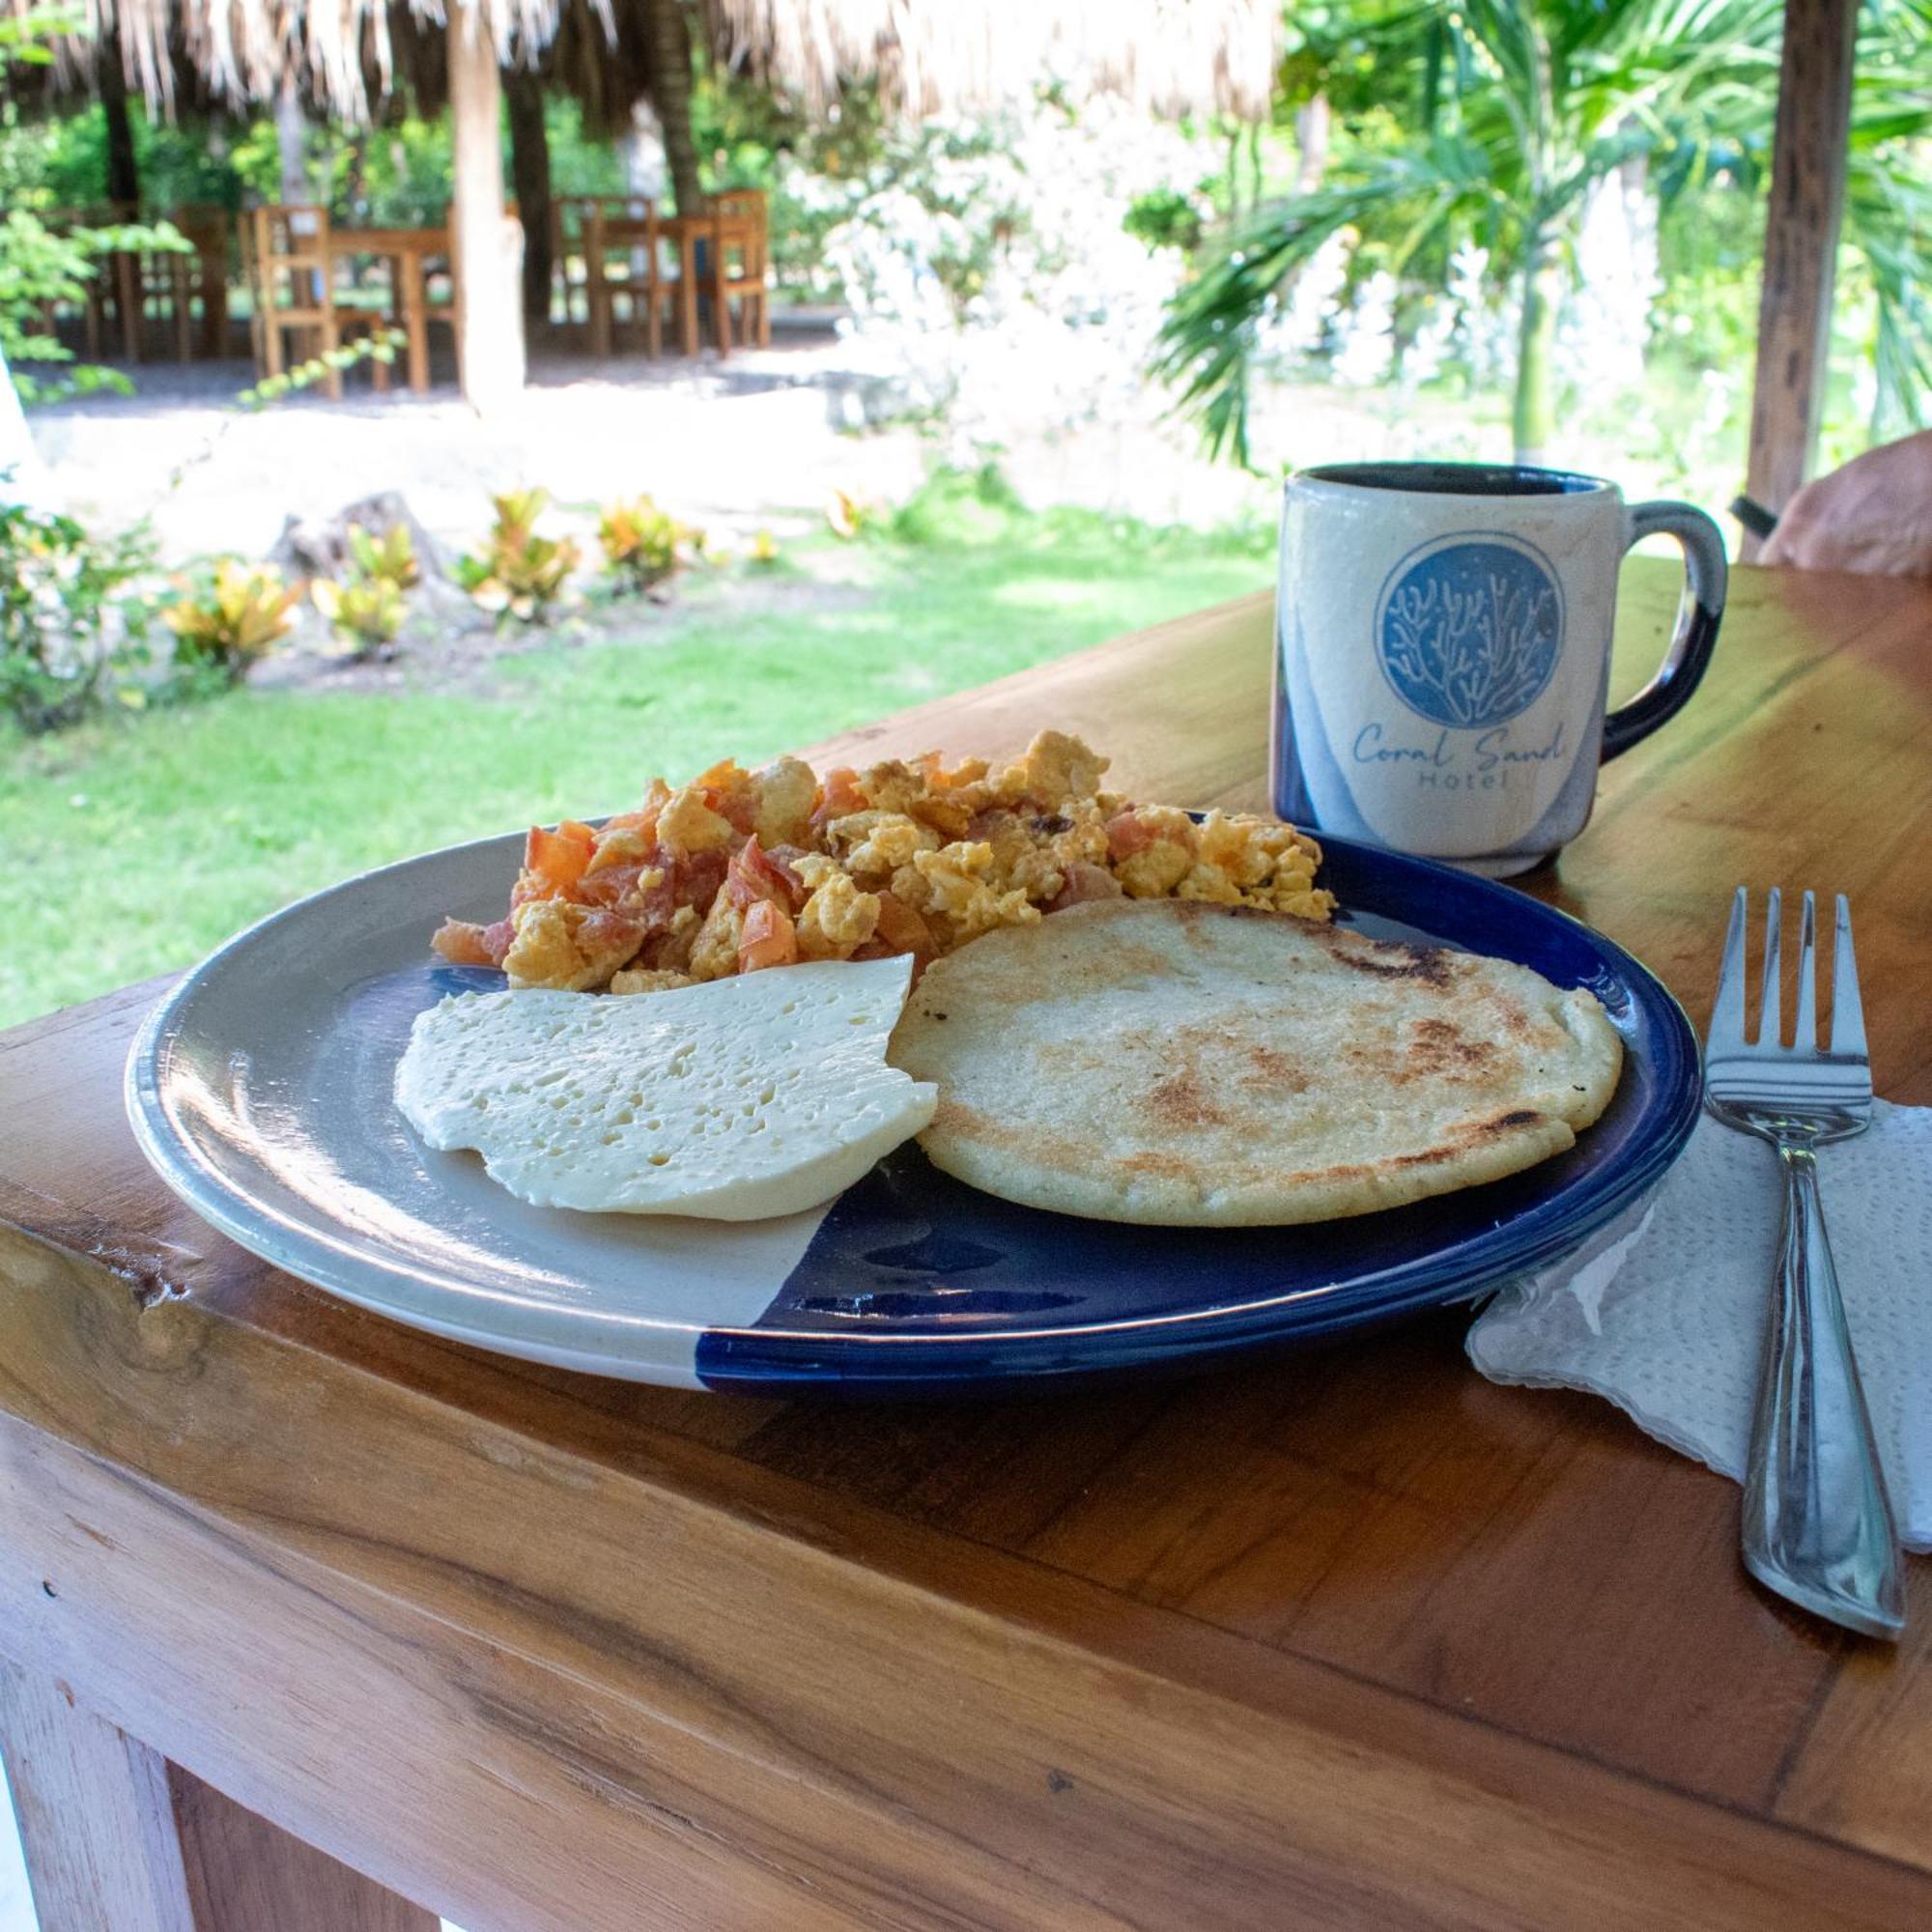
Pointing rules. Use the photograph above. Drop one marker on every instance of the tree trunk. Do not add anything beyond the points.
(671, 95)
(485, 242)
(529, 176)
(292, 139)
(1535, 415)
(1311, 144)
(24, 476)
(123, 178)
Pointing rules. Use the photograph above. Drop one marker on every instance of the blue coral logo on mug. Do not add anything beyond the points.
(1442, 658)
(1470, 629)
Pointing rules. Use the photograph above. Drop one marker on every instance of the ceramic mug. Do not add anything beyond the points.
(1443, 653)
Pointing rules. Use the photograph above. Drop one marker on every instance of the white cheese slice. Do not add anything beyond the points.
(757, 1095)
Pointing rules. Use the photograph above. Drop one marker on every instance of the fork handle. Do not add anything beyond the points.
(1817, 1524)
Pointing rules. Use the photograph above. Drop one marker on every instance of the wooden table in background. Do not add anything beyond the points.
(1353, 1639)
(410, 253)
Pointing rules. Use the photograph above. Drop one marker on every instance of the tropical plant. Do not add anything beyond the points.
(366, 612)
(392, 556)
(70, 625)
(519, 576)
(1516, 109)
(230, 617)
(42, 268)
(644, 545)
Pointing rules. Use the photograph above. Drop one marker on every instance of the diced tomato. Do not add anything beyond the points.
(1085, 882)
(558, 858)
(609, 930)
(840, 795)
(608, 884)
(767, 938)
(696, 877)
(461, 943)
(903, 930)
(1128, 833)
(754, 874)
(464, 944)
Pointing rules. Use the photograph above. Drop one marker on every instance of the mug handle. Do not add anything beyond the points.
(1706, 576)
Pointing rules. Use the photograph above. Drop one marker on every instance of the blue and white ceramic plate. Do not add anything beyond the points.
(259, 1089)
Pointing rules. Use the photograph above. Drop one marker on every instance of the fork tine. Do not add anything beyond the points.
(1770, 1022)
(1727, 1011)
(1807, 977)
(1848, 1015)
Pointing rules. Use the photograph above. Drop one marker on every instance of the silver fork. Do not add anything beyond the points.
(1817, 1524)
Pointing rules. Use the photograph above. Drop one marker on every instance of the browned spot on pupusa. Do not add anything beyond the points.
(1440, 1046)
(1427, 964)
(1178, 1101)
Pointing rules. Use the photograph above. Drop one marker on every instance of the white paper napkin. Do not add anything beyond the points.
(1664, 1313)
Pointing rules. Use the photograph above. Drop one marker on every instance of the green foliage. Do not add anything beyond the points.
(1507, 112)
(812, 167)
(644, 545)
(367, 611)
(179, 164)
(955, 507)
(519, 576)
(1166, 218)
(378, 346)
(71, 627)
(229, 618)
(42, 265)
(42, 268)
(393, 556)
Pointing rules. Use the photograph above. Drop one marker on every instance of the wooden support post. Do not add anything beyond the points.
(1800, 244)
(116, 1837)
(487, 243)
(529, 175)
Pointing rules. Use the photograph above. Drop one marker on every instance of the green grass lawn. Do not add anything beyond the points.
(136, 844)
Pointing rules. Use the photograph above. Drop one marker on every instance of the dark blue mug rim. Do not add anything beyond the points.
(1456, 479)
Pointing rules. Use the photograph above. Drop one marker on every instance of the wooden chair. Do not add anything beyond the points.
(201, 278)
(114, 295)
(737, 270)
(570, 259)
(292, 285)
(624, 264)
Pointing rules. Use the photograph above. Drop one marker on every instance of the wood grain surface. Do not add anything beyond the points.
(1343, 1638)
(120, 1840)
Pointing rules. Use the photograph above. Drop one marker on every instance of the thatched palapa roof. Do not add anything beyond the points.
(1172, 57)
(928, 56)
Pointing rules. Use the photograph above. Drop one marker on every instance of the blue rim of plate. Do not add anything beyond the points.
(911, 1282)
(1302, 1284)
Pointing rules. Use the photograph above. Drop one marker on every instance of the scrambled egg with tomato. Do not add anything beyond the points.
(739, 871)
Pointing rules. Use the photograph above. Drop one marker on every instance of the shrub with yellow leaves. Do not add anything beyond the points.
(520, 576)
(231, 619)
(644, 545)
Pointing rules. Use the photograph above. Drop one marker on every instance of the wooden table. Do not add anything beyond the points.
(629, 235)
(410, 253)
(1345, 1639)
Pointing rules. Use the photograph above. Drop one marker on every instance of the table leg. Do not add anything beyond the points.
(184, 304)
(413, 271)
(214, 305)
(128, 292)
(117, 1837)
(597, 298)
(687, 292)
